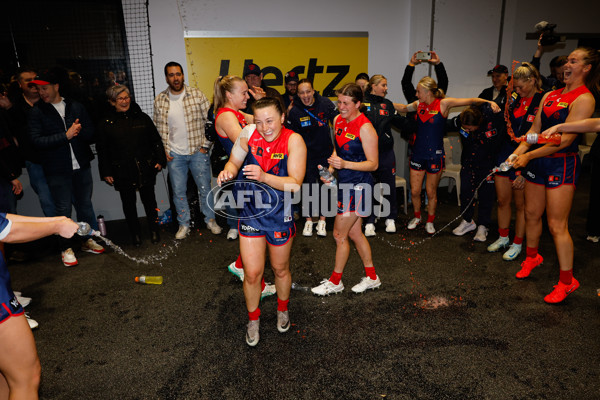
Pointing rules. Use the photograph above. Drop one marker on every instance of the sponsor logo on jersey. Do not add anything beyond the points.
(349, 136)
(491, 133)
(531, 174)
(563, 104)
(530, 118)
(248, 228)
(277, 156)
(433, 112)
(383, 112)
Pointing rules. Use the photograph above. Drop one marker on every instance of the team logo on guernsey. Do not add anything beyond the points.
(277, 156)
(383, 105)
(349, 136)
(280, 235)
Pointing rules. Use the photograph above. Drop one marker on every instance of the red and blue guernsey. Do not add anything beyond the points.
(348, 147)
(225, 142)
(556, 110)
(431, 125)
(9, 305)
(264, 205)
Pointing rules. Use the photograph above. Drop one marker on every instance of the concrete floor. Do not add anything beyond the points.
(491, 336)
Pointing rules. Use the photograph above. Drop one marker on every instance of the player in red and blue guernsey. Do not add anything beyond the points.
(552, 170)
(230, 97)
(272, 160)
(432, 109)
(355, 157)
(511, 184)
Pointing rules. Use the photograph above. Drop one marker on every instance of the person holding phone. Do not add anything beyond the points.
(432, 108)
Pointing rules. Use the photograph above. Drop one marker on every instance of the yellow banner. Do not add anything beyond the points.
(329, 62)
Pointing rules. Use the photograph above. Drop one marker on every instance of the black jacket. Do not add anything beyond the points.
(315, 132)
(408, 88)
(19, 113)
(11, 163)
(382, 114)
(480, 148)
(488, 94)
(48, 134)
(129, 147)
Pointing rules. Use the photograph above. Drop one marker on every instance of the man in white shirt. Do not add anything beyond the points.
(62, 131)
(180, 114)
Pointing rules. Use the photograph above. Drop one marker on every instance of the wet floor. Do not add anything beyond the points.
(449, 322)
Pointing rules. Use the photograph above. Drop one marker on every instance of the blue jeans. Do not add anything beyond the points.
(75, 190)
(199, 165)
(37, 179)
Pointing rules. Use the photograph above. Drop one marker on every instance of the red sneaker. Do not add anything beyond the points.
(529, 264)
(561, 291)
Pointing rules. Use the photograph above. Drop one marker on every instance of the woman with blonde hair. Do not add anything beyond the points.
(432, 109)
(527, 86)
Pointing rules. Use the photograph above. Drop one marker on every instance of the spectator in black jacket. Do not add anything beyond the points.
(18, 108)
(11, 166)
(130, 154)
(62, 131)
(291, 88)
(256, 87)
(497, 92)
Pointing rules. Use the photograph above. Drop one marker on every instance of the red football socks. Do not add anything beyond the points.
(418, 214)
(238, 262)
(370, 272)
(430, 218)
(566, 277)
(503, 232)
(282, 305)
(254, 315)
(335, 278)
(531, 251)
(519, 240)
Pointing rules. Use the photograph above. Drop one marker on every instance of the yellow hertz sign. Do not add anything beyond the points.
(329, 62)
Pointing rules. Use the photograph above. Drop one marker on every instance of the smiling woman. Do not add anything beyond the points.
(130, 154)
(267, 154)
(552, 171)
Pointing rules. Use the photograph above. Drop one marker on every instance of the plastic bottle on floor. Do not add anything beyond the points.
(149, 280)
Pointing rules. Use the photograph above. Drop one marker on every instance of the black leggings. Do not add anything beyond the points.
(129, 198)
